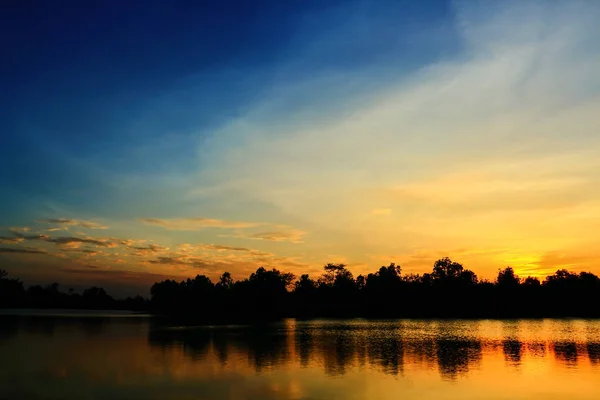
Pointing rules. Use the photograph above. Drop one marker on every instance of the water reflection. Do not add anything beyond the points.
(337, 347)
(566, 352)
(512, 351)
(593, 350)
(536, 348)
(46, 326)
(282, 360)
(456, 357)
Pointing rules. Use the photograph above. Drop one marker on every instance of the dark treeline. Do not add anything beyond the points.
(14, 295)
(449, 290)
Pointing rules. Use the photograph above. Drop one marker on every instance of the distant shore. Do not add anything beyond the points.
(448, 291)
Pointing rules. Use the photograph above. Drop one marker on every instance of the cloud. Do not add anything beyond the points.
(291, 235)
(21, 251)
(10, 240)
(70, 240)
(218, 258)
(132, 242)
(186, 247)
(468, 150)
(170, 260)
(492, 144)
(549, 182)
(64, 241)
(19, 229)
(32, 237)
(146, 250)
(207, 265)
(220, 247)
(151, 247)
(552, 261)
(73, 222)
(191, 224)
(84, 252)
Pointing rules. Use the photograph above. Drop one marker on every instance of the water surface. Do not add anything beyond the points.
(101, 357)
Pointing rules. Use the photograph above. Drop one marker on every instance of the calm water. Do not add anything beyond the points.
(101, 357)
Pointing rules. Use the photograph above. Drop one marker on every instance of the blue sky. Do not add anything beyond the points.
(132, 90)
(304, 132)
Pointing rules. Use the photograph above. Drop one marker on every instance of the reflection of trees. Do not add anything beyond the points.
(338, 352)
(220, 348)
(304, 344)
(512, 349)
(422, 352)
(337, 348)
(593, 350)
(455, 356)
(511, 346)
(48, 324)
(9, 327)
(340, 348)
(265, 346)
(388, 353)
(566, 352)
(193, 342)
(94, 326)
(536, 349)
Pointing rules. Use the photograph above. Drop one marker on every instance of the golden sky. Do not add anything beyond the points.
(485, 149)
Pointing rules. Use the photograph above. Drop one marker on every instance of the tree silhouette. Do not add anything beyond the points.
(507, 278)
(449, 290)
(225, 281)
(446, 270)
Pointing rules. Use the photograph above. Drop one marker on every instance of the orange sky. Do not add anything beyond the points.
(488, 154)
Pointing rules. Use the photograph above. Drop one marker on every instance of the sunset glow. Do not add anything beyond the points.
(359, 134)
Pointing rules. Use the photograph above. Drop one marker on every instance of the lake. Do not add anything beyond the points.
(75, 355)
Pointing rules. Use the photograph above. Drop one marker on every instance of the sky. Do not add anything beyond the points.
(146, 140)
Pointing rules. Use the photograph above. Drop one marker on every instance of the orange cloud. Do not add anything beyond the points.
(291, 235)
(190, 224)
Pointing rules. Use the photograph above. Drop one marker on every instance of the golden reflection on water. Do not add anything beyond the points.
(131, 358)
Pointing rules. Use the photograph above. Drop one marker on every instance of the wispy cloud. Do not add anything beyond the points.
(185, 224)
(469, 150)
(70, 240)
(491, 146)
(294, 236)
(220, 247)
(21, 251)
(65, 222)
(191, 224)
(33, 236)
(10, 239)
(289, 235)
(21, 229)
(150, 249)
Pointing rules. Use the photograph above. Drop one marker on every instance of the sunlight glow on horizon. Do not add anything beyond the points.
(486, 151)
